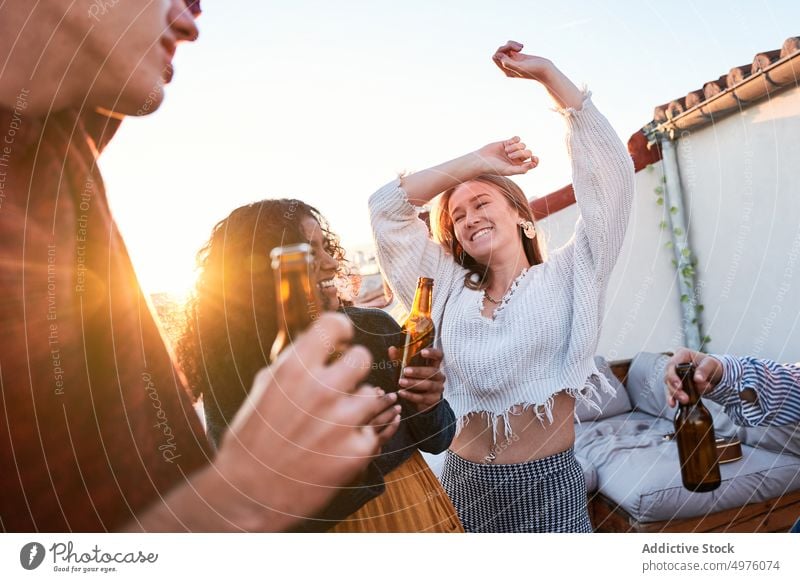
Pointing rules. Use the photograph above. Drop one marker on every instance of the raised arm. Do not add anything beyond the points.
(516, 64)
(602, 177)
(405, 250)
(504, 158)
(601, 167)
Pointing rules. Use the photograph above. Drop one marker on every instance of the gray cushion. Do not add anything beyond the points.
(648, 393)
(609, 405)
(781, 439)
(646, 384)
(639, 470)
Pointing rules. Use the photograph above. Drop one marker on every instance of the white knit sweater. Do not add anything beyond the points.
(543, 336)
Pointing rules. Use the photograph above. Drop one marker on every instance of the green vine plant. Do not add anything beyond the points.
(687, 264)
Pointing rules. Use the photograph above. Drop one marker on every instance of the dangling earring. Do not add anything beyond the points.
(528, 228)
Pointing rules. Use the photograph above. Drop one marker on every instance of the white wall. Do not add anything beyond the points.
(642, 308)
(742, 184)
(741, 179)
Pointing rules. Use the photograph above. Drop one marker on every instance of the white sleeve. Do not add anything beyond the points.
(405, 250)
(602, 173)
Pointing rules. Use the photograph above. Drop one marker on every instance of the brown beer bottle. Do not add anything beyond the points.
(296, 296)
(694, 432)
(418, 329)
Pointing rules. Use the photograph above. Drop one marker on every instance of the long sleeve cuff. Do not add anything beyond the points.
(569, 112)
(732, 371)
(392, 200)
(434, 429)
(739, 396)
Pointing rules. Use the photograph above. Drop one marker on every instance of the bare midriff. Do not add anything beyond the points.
(532, 438)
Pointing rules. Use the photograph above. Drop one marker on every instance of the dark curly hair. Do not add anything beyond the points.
(230, 318)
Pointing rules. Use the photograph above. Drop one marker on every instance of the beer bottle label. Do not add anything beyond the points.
(414, 344)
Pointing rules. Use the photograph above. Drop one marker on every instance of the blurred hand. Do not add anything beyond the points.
(307, 427)
(506, 158)
(386, 422)
(421, 386)
(513, 63)
(708, 373)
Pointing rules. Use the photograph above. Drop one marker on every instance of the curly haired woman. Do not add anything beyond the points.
(231, 326)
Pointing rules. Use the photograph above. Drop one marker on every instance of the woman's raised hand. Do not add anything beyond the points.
(516, 64)
(506, 158)
(513, 63)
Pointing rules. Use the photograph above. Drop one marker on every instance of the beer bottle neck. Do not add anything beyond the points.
(686, 374)
(422, 299)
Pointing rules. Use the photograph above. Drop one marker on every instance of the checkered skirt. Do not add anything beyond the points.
(541, 496)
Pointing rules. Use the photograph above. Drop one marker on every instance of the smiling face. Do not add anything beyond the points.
(132, 50)
(484, 222)
(88, 53)
(325, 265)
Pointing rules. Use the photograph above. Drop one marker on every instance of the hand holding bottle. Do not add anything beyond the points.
(421, 386)
(708, 373)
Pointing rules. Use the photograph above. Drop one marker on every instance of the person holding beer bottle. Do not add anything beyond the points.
(232, 327)
(519, 332)
(753, 391)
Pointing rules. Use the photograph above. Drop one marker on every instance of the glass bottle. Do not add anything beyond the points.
(694, 433)
(296, 298)
(418, 330)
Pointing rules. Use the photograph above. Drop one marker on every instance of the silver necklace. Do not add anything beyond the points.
(513, 283)
(491, 299)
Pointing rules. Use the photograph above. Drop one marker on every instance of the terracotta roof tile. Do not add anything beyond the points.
(715, 87)
(790, 46)
(765, 59)
(694, 98)
(769, 72)
(722, 96)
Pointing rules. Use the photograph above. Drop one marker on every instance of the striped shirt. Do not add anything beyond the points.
(758, 392)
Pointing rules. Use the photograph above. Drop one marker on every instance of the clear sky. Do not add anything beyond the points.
(327, 101)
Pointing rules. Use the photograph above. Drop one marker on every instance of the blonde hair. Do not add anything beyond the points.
(443, 229)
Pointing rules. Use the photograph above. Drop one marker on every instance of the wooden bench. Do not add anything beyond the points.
(775, 515)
